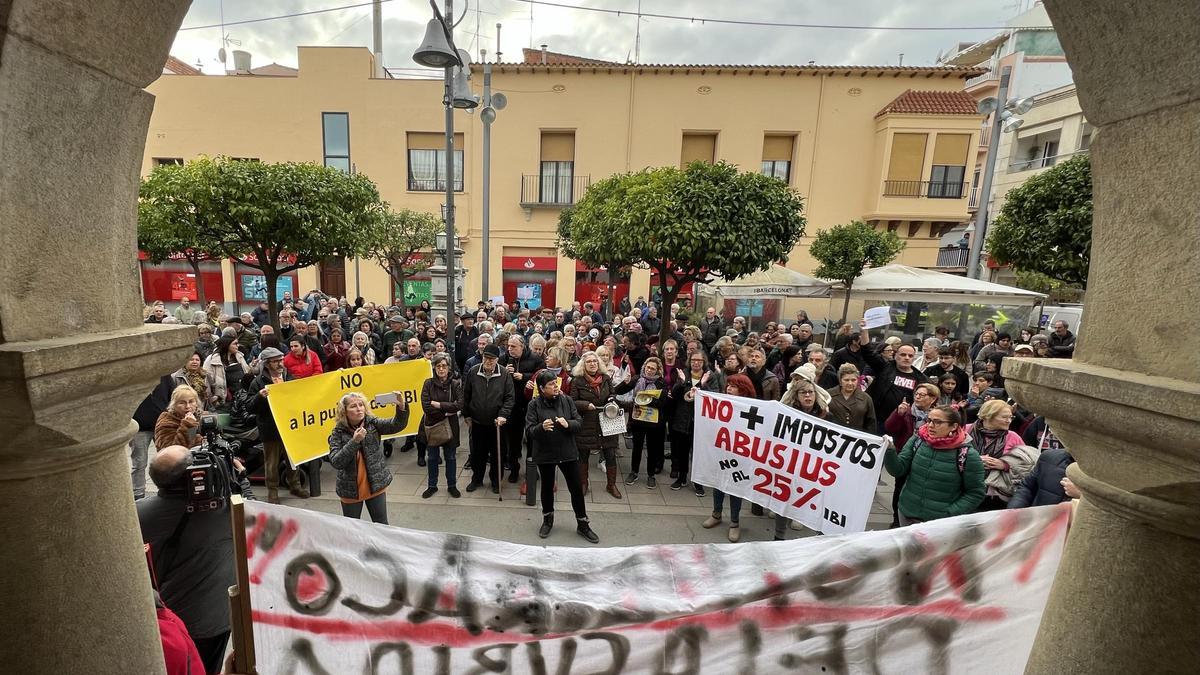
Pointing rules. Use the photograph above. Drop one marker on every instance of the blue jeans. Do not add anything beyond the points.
(139, 448)
(433, 457)
(735, 505)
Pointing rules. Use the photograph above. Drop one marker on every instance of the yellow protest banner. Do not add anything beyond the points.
(305, 411)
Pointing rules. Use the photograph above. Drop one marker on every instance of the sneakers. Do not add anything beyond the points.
(631, 479)
(473, 486)
(711, 522)
(547, 525)
(651, 483)
(514, 476)
(735, 533)
(429, 492)
(585, 531)
(678, 484)
(454, 492)
(699, 489)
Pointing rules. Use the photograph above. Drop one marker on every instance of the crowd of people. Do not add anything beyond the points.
(552, 391)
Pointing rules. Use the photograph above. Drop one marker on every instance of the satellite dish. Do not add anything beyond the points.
(221, 54)
(1023, 106)
(1012, 124)
(499, 101)
(488, 115)
(987, 106)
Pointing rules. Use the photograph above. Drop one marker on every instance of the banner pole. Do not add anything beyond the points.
(239, 596)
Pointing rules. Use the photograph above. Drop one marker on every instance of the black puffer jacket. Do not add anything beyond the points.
(1041, 486)
(589, 437)
(558, 445)
(345, 453)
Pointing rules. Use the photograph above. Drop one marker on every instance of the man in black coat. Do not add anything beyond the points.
(894, 381)
(273, 372)
(1047, 483)
(465, 335)
(946, 365)
(191, 554)
(488, 400)
(520, 365)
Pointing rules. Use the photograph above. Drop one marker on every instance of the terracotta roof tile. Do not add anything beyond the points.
(177, 67)
(567, 61)
(913, 102)
(534, 57)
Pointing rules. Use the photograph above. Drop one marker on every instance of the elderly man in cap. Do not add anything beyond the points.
(488, 398)
(465, 335)
(272, 372)
(397, 332)
(247, 332)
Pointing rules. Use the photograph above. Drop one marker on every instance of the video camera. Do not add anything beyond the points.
(209, 477)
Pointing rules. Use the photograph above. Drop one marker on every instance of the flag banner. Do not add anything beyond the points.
(333, 595)
(799, 466)
(305, 410)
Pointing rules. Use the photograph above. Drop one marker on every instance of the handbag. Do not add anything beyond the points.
(612, 420)
(437, 435)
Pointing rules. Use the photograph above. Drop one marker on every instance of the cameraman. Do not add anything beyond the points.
(192, 555)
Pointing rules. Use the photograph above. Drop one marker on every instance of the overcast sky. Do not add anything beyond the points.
(607, 36)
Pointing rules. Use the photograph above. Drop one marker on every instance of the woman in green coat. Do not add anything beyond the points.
(944, 472)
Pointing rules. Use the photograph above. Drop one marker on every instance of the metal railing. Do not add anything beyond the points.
(980, 79)
(973, 200)
(415, 185)
(924, 188)
(953, 256)
(985, 136)
(550, 190)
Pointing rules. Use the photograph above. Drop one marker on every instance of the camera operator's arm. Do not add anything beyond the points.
(397, 423)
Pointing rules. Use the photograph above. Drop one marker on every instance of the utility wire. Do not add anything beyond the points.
(648, 15)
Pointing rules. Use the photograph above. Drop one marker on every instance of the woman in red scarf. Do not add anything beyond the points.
(944, 472)
(591, 389)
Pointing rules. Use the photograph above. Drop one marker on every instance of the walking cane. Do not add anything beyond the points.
(499, 470)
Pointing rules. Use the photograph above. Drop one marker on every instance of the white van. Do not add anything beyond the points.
(1069, 313)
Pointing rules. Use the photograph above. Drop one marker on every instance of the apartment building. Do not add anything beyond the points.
(889, 145)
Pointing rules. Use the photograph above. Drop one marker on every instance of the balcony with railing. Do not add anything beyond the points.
(973, 200)
(953, 257)
(932, 189)
(985, 135)
(552, 191)
(989, 76)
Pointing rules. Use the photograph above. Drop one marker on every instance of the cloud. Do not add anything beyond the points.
(606, 36)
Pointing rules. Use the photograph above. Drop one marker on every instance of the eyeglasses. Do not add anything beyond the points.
(934, 422)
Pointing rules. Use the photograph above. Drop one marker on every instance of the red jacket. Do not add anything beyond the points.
(299, 369)
(179, 652)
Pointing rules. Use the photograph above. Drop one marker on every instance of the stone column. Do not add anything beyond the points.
(75, 359)
(1127, 597)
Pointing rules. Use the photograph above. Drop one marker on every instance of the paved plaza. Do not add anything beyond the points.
(641, 516)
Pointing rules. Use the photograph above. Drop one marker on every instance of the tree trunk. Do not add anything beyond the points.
(845, 305)
(666, 299)
(195, 263)
(272, 276)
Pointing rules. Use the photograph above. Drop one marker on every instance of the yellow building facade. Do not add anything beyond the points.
(889, 145)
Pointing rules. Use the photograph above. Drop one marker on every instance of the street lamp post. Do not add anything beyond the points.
(985, 190)
(491, 103)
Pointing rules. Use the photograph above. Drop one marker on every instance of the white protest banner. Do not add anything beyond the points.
(804, 468)
(961, 595)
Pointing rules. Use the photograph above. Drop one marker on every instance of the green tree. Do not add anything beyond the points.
(397, 237)
(277, 218)
(169, 222)
(702, 223)
(1045, 224)
(844, 251)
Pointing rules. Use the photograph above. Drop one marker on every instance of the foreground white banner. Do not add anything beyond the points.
(805, 468)
(961, 595)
